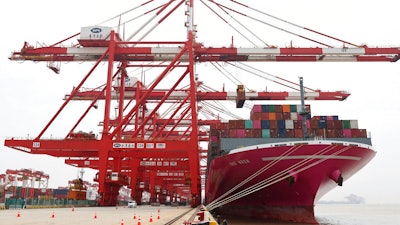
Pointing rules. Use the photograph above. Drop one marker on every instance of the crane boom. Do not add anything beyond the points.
(132, 51)
(221, 96)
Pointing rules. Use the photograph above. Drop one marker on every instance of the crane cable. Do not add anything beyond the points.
(243, 35)
(292, 24)
(265, 74)
(274, 179)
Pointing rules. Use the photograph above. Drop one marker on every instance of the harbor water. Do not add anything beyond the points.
(342, 214)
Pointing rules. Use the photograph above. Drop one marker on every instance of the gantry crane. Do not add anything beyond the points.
(27, 179)
(141, 145)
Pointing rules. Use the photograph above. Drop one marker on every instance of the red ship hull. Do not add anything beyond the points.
(297, 174)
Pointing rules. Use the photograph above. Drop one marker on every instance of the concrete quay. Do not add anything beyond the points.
(142, 215)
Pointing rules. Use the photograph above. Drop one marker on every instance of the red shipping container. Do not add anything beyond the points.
(257, 124)
(232, 124)
(273, 124)
(347, 133)
(338, 124)
(240, 133)
(298, 133)
(315, 118)
(330, 124)
(308, 124)
(256, 116)
(279, 116)
(320, 132)
(314, 124)
(240, 124)
(223, 126)
(363, 133)
(355, 133)
(297, 124)
(330, 133)
(257, 133)
(278, 108)
(248, 133)
(273, 133)
(232, 133)
(256, 108)
(286, 116)
(264, 116)
(289, 133)
(339, 133)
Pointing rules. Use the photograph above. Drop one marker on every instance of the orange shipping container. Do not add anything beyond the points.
(272, 116)
(286, 108)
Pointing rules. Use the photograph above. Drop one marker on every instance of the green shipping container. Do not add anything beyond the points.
(346, 124)
(271, 108)
(248, 124)
(293, 108)
(265, 133)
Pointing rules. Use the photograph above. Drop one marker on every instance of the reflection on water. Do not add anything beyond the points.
(340, 214)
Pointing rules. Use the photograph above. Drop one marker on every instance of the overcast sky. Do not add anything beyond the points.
(30, 93)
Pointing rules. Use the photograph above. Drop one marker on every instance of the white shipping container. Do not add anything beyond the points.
(95, 33)
(294, 116)
(289, 124)
(354, 124)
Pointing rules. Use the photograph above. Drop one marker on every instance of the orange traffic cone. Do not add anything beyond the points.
(134, 216)
(158, 217)
(19, 214)
(138, 222)
(52, 215)
(95, 215)
(122, 222)
(151, 218)
(73, 209)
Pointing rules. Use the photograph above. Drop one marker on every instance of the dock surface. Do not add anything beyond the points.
(142, 215)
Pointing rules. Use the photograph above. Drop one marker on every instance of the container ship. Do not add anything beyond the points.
(281, 161)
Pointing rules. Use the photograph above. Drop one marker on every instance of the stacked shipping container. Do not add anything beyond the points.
(285, 121)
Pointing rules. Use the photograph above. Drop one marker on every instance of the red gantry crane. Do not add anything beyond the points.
(153, 142)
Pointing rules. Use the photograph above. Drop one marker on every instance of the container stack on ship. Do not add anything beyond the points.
(269, 167)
